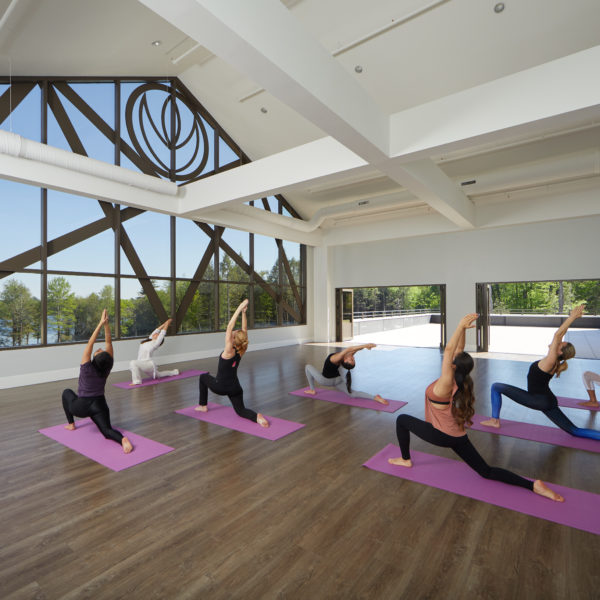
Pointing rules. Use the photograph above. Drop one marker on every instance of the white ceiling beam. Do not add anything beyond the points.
(547, 203)
(431, 185)
(544, 203)
(265, 42)
(276, 174)
(563, 90)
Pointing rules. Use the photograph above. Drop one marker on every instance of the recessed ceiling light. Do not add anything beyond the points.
(156, 43)
(263, 110)
(358, 69)
(499, 7)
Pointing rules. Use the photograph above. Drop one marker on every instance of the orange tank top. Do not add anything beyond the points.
(441, 418)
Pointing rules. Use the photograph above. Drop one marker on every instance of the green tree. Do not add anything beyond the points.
(61, 308)
(89, 308)
(20, 312)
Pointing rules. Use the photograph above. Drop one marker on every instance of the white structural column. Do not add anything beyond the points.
(323, 295)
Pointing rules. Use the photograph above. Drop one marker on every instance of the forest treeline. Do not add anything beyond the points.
(73, 318)
(545, 297)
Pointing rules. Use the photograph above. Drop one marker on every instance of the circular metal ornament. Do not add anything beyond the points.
(149, 120)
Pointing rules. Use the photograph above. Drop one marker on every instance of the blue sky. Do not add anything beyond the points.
(149, 232)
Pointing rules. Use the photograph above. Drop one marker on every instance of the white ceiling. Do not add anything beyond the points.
(278, 56)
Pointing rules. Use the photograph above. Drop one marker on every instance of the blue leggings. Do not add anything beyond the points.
(546, 403)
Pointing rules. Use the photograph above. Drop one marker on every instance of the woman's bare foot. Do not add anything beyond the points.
(590, 404)
(262, 421)
(539, 487)
(127, 447)
(201, 408)
(311, 392)
(491, 423)
(134, 383)
(381, 400)
(400, 462)
(70, 426)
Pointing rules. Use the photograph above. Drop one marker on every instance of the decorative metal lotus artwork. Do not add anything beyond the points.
(171, 123)
(166, 133)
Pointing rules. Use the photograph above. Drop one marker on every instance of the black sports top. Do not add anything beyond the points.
(538, 381)
(330, 370)
(227, 370)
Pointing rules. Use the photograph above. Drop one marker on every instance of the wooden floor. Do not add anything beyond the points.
(227, 515)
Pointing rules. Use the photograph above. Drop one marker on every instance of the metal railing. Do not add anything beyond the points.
(382, 314)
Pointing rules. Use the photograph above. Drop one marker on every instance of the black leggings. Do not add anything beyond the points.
(546, 403)
(405, 424)
(94, 407)
(235, 394)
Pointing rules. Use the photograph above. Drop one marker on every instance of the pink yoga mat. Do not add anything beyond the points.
(87, 440)
(341, 398)
(537, 433)
(226, 417)
(126, 385)
(574, 403)
(580, 510)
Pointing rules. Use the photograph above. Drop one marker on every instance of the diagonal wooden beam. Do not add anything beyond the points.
(286, 264)
(290, 275)
(23, 260)
(68, 92)
(193, 286)
(248, 269)
(12, 97)
(289, 207)
(134, 260)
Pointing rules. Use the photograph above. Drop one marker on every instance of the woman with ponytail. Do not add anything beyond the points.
(538, 395)
(336, 373)
(226, 382)
(448, 410)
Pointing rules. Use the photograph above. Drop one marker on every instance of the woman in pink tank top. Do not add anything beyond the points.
(449, 404)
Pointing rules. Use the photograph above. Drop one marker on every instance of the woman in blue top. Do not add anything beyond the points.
(226, 382)
(538, 395)
(89, 400)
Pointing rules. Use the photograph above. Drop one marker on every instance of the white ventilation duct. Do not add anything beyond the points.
(366, 206)
(17, 146)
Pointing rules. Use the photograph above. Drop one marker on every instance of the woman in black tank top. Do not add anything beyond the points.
(539, 396)
(330, 375)
(226, 382)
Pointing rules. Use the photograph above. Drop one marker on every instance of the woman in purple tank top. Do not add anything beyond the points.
(89, 400)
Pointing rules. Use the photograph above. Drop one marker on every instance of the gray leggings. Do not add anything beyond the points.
(339, 383)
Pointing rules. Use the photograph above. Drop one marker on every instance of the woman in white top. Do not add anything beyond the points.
(144, 365)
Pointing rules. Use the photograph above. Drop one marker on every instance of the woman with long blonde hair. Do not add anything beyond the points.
(449, 404)
(539, 396)
(226, 382)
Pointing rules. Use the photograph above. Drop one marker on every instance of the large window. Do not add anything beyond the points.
(63, 258)
(522, 316)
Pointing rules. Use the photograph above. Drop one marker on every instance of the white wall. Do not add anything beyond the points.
(38, 365)
(564, 249)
